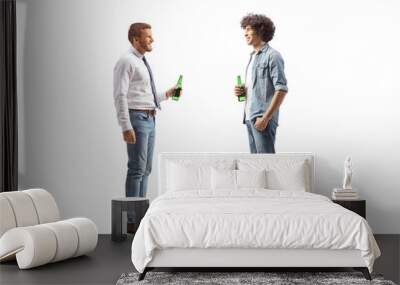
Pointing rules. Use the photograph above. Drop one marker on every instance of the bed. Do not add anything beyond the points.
(247, 211)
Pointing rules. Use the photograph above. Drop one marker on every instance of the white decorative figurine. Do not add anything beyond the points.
(348, 172)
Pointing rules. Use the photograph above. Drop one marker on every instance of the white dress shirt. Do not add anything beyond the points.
(132, 87)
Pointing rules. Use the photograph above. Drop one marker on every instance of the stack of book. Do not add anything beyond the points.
(344, 194)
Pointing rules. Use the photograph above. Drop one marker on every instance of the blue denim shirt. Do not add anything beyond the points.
(268, 76)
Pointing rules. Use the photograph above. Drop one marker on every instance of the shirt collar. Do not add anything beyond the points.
(263, 49)
(135, 52)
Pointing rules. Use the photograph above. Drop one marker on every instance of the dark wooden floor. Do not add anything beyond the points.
(110, 260)
(103, 266)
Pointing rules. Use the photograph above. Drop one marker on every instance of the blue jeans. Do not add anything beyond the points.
(261, 141)
(140, 156)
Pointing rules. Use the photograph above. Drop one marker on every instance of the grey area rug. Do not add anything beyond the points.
(270, 278)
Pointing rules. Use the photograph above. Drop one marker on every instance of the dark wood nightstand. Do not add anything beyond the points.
(137, 205)
(357, 206)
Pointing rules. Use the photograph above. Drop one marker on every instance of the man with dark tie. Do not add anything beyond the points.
(136, 101)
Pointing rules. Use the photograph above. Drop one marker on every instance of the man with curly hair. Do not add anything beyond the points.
(265, 84)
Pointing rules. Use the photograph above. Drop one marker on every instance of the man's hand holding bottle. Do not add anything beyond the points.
(170, 92)
(240, 89)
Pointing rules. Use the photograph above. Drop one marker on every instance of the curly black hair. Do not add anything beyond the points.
(261, 24)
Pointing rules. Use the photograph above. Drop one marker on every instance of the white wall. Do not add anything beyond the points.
(342, 66)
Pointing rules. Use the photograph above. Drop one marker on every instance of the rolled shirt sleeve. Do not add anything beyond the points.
(277, 72)
(123, 70)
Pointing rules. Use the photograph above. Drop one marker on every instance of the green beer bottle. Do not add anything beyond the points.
(241, 97)
(178, 89)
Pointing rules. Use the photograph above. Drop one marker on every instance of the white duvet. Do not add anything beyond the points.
(250, 219)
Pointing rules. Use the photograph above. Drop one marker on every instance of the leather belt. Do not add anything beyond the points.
(148, 112)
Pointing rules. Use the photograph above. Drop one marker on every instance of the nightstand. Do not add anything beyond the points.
(357, 206)
(137, 205)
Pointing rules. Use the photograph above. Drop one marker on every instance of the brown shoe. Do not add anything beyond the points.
(131, 228)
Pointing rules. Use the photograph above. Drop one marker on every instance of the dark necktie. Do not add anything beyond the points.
(153, 87)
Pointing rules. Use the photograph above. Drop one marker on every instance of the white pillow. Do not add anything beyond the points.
(251, 178)
(290, 178)
(223, 179)
(193, 174)
(282, 174)
(181, 178)
(226, 179)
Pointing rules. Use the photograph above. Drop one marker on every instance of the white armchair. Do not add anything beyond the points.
(31, 230)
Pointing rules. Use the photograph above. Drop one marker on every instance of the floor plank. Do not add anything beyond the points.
(102, 266)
